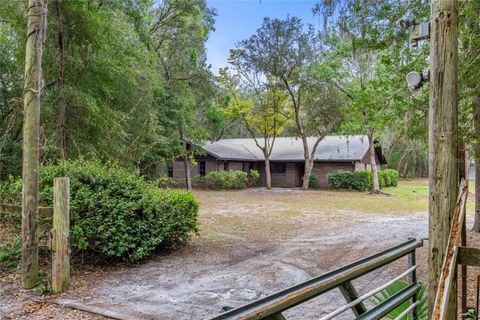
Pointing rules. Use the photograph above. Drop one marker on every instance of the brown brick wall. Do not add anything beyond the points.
(289, 179)
(211, 164)
(235, 166)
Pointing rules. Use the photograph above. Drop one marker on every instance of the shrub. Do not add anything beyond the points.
(227, 180)
(362, 180)
(388, 178)
(340, 179)
(382, 179)
(168, 182)
(391, 176)
(253, 177)
(313, 180)
(116, 213)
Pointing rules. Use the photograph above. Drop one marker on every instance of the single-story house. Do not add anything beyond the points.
(471, 170)
(286, 160)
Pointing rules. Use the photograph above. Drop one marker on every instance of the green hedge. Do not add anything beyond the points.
(116, 213)
(340, 179)
(227, 180)
(361, 179)
(388, 178)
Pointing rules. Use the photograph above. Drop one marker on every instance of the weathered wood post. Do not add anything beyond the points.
(443, 121)
(36, 12)
(60, 241)
(463, 174)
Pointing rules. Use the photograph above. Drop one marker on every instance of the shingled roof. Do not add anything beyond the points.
(331, 148)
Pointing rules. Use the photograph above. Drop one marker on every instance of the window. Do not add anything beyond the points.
(278, 168)
(244, 166)
(201, 168)
(170, 170)
(251, 166)
(225, 166)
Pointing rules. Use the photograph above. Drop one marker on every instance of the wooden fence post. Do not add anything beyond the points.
(61, 235)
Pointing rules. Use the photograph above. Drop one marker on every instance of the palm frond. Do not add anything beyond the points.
(397, 287)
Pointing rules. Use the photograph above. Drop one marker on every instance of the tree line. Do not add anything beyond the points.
(127, 81)
(123, 81)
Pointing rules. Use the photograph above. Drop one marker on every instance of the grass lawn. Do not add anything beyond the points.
(409, 196)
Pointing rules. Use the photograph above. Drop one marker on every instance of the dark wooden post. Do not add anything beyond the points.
(443, 121)
(36, 19)
(60, 235)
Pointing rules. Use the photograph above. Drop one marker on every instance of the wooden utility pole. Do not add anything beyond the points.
(443, 122)
(36, 24)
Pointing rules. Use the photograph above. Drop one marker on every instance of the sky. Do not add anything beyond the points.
(239, 19)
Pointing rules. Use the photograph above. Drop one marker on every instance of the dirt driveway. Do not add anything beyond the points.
(254, 242)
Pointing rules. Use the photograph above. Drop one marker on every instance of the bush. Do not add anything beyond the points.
(116, 213)
(313, 180)
(388, 178)
(168, 182)
(227, 180)
(362, 179)
(253, 177)
(340, 180)
(382, 180)
(391, 177)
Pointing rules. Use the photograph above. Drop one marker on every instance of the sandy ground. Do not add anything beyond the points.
(252, 243)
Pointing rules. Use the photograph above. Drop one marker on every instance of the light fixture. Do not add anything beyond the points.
(416, 79)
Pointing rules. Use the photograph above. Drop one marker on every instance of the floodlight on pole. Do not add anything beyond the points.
(418, 30)
(416, 79)
(406, 22)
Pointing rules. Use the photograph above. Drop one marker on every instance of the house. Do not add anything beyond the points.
(471, 170)
(286, 160)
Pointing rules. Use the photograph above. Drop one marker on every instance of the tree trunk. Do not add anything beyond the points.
(476, 156)
(308, 172)
(31, 140)
(373, 165)
(443, 122)
(268, 176)
(62, 107)
(400, 162)
(186, 162)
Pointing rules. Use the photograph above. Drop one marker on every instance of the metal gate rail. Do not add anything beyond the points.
(271, 307)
